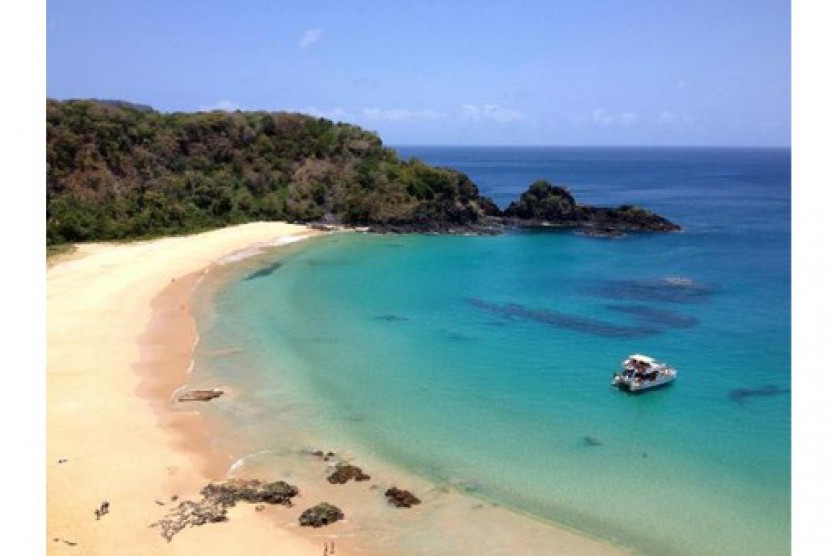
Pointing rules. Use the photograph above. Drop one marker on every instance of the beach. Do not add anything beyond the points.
(117, 445)
(120, 339)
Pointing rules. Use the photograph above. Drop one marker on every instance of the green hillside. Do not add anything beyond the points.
(119, 171)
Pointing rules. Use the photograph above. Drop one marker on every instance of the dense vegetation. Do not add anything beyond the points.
(543, 201)
(117, 171)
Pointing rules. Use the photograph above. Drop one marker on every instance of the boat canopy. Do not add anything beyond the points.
(642, 358)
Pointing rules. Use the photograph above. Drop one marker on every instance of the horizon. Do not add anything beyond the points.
(550, 73)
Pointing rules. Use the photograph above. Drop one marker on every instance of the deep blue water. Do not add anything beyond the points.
(485, 362)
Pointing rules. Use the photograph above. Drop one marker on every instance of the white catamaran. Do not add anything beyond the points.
(640, 372)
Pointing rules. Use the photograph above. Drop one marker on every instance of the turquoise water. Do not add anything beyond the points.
(484, 362)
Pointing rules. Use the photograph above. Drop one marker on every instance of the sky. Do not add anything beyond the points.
(578, 72)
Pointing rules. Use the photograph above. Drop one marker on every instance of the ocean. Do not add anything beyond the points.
(484, 363)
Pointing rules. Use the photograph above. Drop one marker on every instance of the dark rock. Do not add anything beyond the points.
(549, 206)
(391, 318)
(200, 395)
(603, 232)
(343, 473)
(401, 498)
(217, 498)
(739, 395)
(669, 290)
(591, 441)
(320, 515)
(191, 514)
(579, 323)
(265, 271)
(670, 319)
(253, 491)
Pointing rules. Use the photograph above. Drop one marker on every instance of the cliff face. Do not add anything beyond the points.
(116, 170)
(546, 205)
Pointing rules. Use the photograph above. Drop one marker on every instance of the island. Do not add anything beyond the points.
(117, 170)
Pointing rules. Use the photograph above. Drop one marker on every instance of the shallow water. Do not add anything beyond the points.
(484, 362)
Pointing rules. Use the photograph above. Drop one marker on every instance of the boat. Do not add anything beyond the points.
(641, 372)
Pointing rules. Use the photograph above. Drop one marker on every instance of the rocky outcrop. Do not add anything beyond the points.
(320, 515)
(401, 498)
(191, 514)
(343, 473)
(253, 491)
(548, 206)
(200, 395)
(217, 498)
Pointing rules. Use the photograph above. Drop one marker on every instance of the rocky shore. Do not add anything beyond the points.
(542, 206)
(218, 497)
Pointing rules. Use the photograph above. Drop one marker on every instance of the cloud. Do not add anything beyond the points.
(672, 118)
(603, 117)
(400, 114)
(491, 112)
(373, 114)
(681, 83)
(225, 105)
(337, 114)
(310, 37)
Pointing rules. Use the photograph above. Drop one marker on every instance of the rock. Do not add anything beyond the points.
(191, 514)
(321, 514)
(549, 206)
(256, 492)
(217, 498)
(401, 498)
(342, 474)
(739, 395)
(603, 232)
(591, 441)
(200, 395)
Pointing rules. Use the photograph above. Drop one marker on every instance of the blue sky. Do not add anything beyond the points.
(582, 72)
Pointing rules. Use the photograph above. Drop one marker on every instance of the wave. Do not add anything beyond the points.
(259, 248)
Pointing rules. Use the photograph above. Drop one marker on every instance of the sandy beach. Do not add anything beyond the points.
(119, 343)
(100, 420)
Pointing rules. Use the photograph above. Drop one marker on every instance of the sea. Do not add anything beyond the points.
(484, 363)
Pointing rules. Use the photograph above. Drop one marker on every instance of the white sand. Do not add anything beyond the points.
(98, 306)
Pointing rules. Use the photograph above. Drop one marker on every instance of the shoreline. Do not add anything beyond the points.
(182, 439)
(105, 440)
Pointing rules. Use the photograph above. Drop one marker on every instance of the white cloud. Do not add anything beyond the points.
(603, 117)
(374, 114)
(672, 118)
(492, 112)
(338, 113)
(310, 37)
(400, 114)
(226, 105)
(682, 83)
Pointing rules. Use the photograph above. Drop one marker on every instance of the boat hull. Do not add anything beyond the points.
(641, 386)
